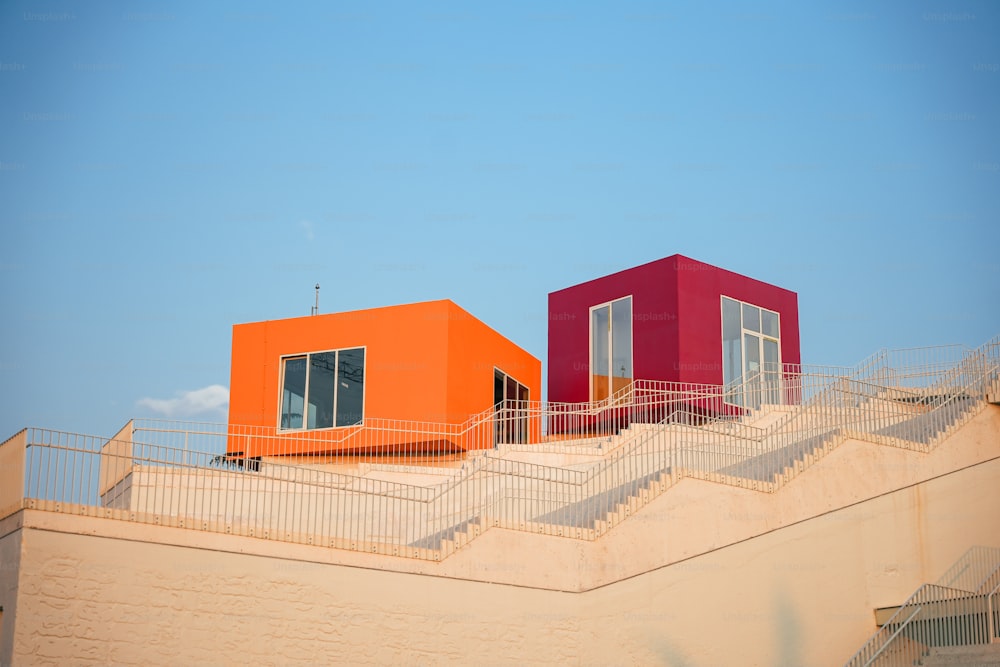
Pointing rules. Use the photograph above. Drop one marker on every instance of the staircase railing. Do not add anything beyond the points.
(935, 616)
(194, 480)
(699, 448)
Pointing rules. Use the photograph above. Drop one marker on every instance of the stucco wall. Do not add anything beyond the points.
(800, 595)
(10, 564)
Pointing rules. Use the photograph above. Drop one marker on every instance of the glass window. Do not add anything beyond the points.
(323, 389)
(600, 329)
(772, 372)
(600, 332)
(322, 384)
(769, 323)
(498, 385)
(293, 393)
(611, 368)
(510, 400)
(732, 350)
(751, 344)
(621, 339)
(751, 353)
(350, 387)
(751, 317)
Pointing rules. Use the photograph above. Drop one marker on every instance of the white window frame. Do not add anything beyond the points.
(590, 343)
(336, 390)
(743, 332)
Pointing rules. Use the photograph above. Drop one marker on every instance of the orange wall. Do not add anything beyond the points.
(474, 350)
(428, 361)
(405, 348)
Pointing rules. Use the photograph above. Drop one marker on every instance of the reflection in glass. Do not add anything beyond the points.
(322, 380)
(599, 331)
(752, 345)
(772, 372)
(351, 387)
(323, 390)
(510, 400)
(497, 387)
(293, 392)
(751, 371)
(769, 323)
(732, 350)
(751, 317)
(621, 339)
(522, 414)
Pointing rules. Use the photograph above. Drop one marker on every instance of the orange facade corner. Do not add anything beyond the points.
(370, 381)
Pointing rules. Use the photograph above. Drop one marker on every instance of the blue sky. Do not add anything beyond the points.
(169, 170)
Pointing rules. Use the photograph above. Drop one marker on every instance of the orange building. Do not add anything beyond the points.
(421, 377)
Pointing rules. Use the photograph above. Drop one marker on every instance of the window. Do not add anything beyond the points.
(751, 353)
(510, 401)
(610, 348)
(323, 389)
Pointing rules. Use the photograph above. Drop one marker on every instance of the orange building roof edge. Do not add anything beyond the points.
(349, 313)
(361, 313)
(454, 305)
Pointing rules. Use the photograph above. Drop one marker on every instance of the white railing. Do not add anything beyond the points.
(627, 449)
(940, 616)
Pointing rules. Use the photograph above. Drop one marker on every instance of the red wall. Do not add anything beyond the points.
(655, 320)
(700, 288)
(677, 322)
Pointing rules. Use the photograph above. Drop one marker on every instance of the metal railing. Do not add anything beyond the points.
(940, 616)
(604, 460)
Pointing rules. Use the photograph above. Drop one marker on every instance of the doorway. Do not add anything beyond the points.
(610, 348)
(510, 405)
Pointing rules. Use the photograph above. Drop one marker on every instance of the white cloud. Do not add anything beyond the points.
(210, 401)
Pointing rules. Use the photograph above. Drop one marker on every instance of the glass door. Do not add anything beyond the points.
(610, 348)
(751, 369)
(510, 404)
(751, 354)
(772, 373)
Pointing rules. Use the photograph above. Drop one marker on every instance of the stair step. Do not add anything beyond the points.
(984, 655)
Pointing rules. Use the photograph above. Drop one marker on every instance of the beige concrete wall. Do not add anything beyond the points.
(798, 595)
(116, 463)
(10, 564)
(12, 457)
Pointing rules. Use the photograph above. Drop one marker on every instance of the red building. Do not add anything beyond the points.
(672, 320)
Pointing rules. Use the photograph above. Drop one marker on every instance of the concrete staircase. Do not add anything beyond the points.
(581, 487)
(891, 418)
(951, 622)
(606, 509)
(993, 392)
(450, 540)
(984, 655)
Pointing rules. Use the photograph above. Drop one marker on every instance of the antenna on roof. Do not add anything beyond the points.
(315, 309)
